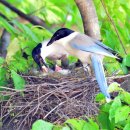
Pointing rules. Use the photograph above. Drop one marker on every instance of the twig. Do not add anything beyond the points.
(109, 17)
(119, 77)
(53, 109)
(23, 15)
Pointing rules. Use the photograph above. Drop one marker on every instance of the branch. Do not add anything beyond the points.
(89, 18)
(110, 19)
(23, 15)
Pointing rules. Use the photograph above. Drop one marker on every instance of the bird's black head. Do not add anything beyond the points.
(61, 33)
(36, 54)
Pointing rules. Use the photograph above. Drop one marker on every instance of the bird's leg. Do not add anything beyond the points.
(64, 62)
(87, 69)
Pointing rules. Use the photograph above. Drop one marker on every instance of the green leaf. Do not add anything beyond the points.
(115, 105)
(114, 87)
(57, 127)
(42, 125)
(3, 80)
(105, 107)
(91, 125)
(125, 96)
(76, 124)
(99, 97)
(127, 127)
(122, 113)
(8, 26)
(30, 33)
(126, 60)
(124, 69)
(104, 122)
(65, 128)
(1, 60)
(19, 82)
(72, 59)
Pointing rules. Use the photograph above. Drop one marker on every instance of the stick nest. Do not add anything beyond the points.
(54, 98)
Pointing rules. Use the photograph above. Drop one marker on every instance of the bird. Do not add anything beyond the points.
(52, 65)
(37, 57)
(88, 50)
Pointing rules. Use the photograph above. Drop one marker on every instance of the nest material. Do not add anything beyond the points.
(54, 98)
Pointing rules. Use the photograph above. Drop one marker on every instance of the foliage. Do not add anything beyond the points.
(112, 116)
(55, 14)
(25, 36)
(119, 11)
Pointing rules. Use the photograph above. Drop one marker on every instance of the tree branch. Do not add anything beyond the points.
(23, 15)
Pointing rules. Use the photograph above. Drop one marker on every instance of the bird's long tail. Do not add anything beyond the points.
(100, 75)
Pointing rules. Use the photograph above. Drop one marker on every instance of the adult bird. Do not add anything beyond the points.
(89, 51)
(36, 54)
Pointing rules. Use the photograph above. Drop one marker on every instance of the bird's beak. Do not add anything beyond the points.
(44, 67)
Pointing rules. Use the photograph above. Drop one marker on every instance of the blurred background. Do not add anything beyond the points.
(19, 36)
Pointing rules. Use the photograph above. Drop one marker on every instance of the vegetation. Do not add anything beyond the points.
(112, 116)
(114, 21)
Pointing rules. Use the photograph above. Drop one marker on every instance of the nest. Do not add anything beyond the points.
(53, 98)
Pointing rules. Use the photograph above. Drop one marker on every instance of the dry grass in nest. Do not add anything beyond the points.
(54, 98)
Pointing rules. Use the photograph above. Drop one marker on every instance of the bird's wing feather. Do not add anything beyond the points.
(86, 43)
(99, 73)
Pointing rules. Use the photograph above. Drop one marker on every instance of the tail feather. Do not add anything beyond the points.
(119, 58)
(99, 73)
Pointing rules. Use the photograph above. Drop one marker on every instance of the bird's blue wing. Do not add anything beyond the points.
(99, 73)
(93, 48)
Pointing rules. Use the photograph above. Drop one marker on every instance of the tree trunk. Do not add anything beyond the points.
(89, 18)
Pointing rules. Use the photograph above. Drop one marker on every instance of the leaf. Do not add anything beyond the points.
(72, 59)
(27, 32)
(1, 60)
(115, 105)
(42, 125)
(12, 49)
(124, 69)
(125, 96)
(19, 82)
(105, 107)
(114, 87)
(99, 97)
(3, 80)
(65, 128)
(76, 124)
(104, 122)
(30, 33)
(126, 60)
(127, 127)
(57, 127)
(122, 113)
(8, 26)
(91, 125)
